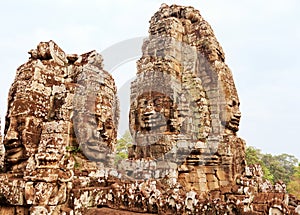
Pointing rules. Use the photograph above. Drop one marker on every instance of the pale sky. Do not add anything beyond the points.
(261, 40)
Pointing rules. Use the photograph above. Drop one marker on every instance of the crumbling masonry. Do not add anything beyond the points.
(186, 158)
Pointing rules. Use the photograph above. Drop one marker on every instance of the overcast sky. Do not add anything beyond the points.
(261, 40)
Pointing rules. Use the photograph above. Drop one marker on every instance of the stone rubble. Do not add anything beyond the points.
(186, 158)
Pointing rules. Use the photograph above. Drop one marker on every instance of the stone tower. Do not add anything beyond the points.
(62, 115)
(60, 133)
(184, 100)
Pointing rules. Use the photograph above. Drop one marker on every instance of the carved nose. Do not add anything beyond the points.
(99, 127)
(237, 114)
(11, 135)
(149, 111)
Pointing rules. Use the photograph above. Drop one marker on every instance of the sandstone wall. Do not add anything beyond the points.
(61, 123)
(183, 70)
(62, 114)
(2, 150)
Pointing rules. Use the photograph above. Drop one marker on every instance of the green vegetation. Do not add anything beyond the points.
(122, 146)
(282, 167)
(73, 151)
(254, 156)
(294, 185)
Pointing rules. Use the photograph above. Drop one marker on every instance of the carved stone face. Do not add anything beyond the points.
(232, 115)
(14, 150)
(95, 130)
(89, 135)
(154, 112)
(94, 103)
(21, 141)
(153, 119)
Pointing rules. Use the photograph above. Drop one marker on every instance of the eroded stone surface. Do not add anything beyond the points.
(57, 111)
(2, 150)
(184, 96)
(60, 132)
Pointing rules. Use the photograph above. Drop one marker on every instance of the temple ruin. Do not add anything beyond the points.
(182, 62)
(58, 151)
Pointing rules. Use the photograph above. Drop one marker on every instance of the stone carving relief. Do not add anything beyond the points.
(61, 129)
(44, 114)
(183, 63)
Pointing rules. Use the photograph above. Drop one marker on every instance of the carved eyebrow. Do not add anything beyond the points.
(230, 103)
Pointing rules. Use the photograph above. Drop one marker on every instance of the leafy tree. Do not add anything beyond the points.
(282, 167)
(254, 156)
(122, 146)
(275, 167)
(294, 185)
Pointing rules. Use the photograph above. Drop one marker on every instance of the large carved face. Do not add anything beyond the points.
(95, 127)
(14, 150)
(94, 105)
(20, 141)
(154, 112)
(88, 135)
(231, 115)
